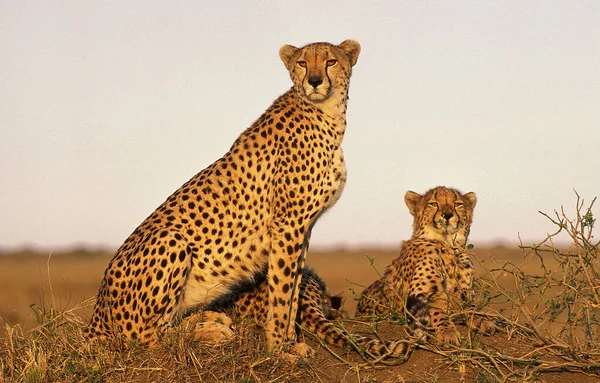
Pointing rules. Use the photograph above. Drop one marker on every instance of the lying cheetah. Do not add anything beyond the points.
(252, 208)
(316, 310)
(434, 269)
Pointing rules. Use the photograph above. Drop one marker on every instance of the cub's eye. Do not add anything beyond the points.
(432, 204)
(458, 203)
(302, 64)
(331, 62)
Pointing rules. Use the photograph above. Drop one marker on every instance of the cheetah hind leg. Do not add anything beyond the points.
(208, 327)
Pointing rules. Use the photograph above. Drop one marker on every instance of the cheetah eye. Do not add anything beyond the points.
(432, 204)
(302, 64)
(331, 62)
(458, 203)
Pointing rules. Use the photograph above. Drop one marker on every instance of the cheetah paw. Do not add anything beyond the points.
(212, 316)
(303, 350)
(298, 351)
(448, 336)
(485, 326)
(209, 326)
(212, 332)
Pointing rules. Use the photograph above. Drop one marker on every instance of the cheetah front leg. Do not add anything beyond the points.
(428, 300)
(284, 277)
(445, 329)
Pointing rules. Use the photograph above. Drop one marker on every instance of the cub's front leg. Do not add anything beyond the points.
(429, 288)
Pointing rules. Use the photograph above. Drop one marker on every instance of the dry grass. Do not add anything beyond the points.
(544, 298)
(57, 352)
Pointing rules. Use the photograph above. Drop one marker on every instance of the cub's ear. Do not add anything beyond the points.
(412, 201)
(337, 301)
(471, 198)
(352, 49)
(286, 53)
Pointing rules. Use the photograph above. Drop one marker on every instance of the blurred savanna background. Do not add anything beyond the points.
(32, 280)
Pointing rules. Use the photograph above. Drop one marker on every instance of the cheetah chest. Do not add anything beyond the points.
(336, 177)
(457, 272)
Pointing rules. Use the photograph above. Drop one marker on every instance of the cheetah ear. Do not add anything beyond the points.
(352, 49)
(337, 301)
(286, 53)
(471, 198)
(412, 201)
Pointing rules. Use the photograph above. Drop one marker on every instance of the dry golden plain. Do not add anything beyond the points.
(62, 281)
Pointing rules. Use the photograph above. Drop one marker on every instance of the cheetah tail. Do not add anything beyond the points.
(328, 332)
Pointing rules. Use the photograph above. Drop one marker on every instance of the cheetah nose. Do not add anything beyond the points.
(447, 215)
(315, 81)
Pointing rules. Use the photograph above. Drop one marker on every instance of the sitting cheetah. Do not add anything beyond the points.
(316, 309)
(252, 208)
(433, 269)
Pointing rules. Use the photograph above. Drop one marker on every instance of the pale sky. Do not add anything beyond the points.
(107, 107)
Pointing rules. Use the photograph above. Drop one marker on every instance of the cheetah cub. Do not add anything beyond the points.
(316, 311)
(252, 208)
(433, 271)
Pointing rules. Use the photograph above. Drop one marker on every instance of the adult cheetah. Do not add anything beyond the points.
(433, 270)
(253, 207)
(317, 309)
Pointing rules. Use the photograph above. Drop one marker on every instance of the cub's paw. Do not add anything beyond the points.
(484, 326)
(447, 335)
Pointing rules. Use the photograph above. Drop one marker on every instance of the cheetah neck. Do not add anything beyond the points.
(456, 240)
(334, 108)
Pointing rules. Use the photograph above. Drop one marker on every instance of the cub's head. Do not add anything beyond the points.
(321, 71)
(442, 213)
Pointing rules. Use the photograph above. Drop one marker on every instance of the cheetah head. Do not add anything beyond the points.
(320, 70)
(442, 213)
